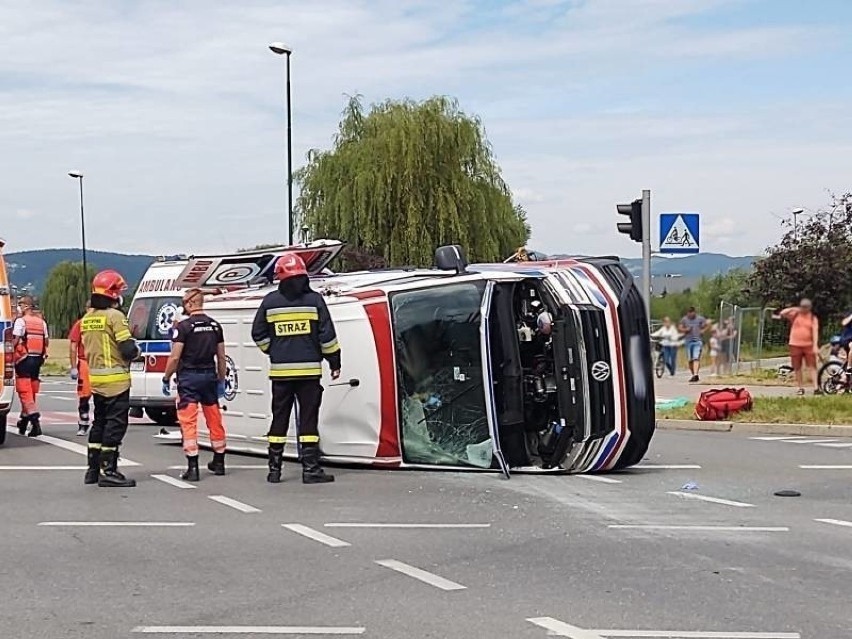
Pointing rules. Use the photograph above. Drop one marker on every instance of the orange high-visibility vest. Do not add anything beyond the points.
(32, 343)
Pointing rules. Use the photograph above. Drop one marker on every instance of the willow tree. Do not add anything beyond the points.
(406, 178)
(64, 296)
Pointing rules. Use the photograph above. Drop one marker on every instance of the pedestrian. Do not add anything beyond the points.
(803, 342)
(294, 328)
(669, 337)
(715, 360)
(693, 327)
(198, 358)
(80, 373)
(29, 344)
(109, 349)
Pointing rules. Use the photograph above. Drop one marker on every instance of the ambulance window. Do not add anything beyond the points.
(440, 377)
(151, 318)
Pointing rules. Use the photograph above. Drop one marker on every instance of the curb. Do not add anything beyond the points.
(816, 430)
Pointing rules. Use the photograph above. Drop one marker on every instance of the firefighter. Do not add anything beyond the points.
(294, 328)
(80, 374)
(30, 344)
(109, 349)
(198, 357)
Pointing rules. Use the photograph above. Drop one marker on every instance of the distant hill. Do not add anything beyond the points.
(29, 269)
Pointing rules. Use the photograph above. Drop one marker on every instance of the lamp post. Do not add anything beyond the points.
(78, 175)
(280, 48)
(796, 213)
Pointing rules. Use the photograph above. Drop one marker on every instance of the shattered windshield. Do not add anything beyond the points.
(440, 377)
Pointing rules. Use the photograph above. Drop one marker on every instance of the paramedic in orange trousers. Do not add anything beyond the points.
(80, 373)
(30, 347)
(198, 357)
(294, 328)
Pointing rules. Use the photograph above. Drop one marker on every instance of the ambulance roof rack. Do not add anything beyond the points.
(171, 258)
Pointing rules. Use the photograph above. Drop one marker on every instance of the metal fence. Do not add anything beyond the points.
(748, 336)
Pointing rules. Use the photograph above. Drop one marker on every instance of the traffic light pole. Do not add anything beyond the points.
(646, 251)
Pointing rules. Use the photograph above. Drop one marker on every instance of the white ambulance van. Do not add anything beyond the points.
(156, 307)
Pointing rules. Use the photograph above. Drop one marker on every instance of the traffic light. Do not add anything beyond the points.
(633, 228)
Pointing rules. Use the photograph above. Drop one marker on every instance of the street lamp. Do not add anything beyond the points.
(796, 213)
(78, 175)
(280, 48)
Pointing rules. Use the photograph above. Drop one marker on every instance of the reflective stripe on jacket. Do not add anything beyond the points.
(296, 334)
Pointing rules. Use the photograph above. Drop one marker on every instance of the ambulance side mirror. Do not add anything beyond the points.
(451, 258)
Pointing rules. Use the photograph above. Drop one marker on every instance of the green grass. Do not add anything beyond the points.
(759, 377)
(57, 358)
(827, 409)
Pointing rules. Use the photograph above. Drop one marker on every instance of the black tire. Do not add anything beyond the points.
(3, 421)
(827, 378)
(659, 367)
(162, 416)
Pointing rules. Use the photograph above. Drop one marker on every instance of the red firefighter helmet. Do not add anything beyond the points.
(289, 265)
(109, 284)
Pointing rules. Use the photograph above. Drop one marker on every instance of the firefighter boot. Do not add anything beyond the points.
(217, 466)
(312, 472)
(23, 422)
(275, 457)
(191, 472)
(110, 477)
(35, 428)
(94, 456)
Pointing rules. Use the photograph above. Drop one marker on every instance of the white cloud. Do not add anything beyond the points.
(24, 214)
(175, 113)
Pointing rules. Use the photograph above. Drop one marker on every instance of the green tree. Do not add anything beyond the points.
(810, 261)
(63, 299)
(731, 287)
(406, 178)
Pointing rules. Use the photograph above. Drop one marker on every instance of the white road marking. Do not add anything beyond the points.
(692, 634)
(420, 575)
(826, 467)
(133, 524)
(809, 441)
(363, 525)
(670, 466)
(71, 446)
(846, 445)
(701, 528)
(173, 481)
(43, 467)
(778, 438)
(561, 629)
(712, 500)
(67, 399)
(598, 478)
(248, 630)
(835, 522)
(233, 503)
(316, 535)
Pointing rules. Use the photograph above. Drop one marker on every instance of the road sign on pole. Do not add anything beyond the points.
(679, 233)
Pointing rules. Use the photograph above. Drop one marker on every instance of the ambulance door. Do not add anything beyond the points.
(488, 378)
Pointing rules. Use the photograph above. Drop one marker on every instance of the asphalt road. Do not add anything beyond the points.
(625, 555)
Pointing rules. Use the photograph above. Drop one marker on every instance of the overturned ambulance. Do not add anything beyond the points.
(451, 367)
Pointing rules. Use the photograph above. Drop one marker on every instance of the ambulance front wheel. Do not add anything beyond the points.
(162, 416)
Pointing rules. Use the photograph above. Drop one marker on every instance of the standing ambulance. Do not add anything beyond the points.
(156, 308)
(7, 385)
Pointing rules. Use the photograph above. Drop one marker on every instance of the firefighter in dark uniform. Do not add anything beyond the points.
(294, 328)
(109, 350)
(198, 357)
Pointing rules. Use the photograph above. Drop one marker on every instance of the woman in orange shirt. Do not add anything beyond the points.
(804, 341)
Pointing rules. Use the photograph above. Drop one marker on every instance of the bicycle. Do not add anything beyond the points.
(659, 362)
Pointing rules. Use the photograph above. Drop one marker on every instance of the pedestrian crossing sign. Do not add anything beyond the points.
(679, 233)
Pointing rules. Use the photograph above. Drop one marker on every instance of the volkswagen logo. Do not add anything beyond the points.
(600, 371)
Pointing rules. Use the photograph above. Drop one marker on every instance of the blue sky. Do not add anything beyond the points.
(739, 109)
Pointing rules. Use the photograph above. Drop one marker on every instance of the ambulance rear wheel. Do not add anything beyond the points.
(3, 428)
(162, 416)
